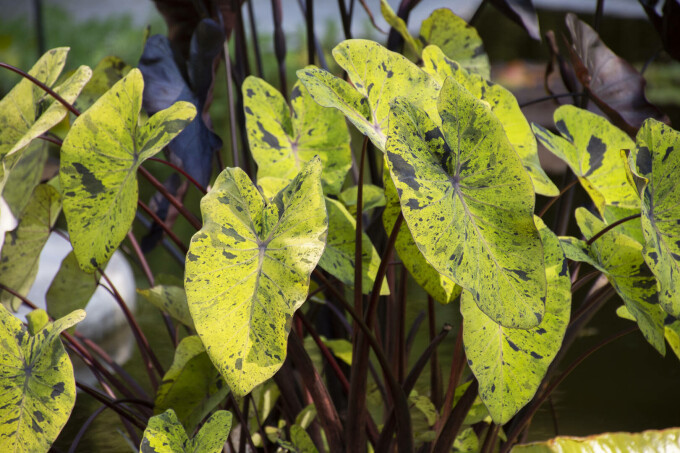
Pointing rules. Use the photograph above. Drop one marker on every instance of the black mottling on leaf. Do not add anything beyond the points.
(562, 127)
(536, 356)
(57, 390)
(668, 152)
(90, 182)
(512, 345)
(644, 160)
(596, 149)
(269, 138)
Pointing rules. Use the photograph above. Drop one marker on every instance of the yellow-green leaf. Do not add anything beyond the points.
(622, 258)
(301, 440)
(372, 197)
(671, 328)
(22, 247)
(510, 363)
(399, 25)
(646, 441)
(503, 104)
(27, 111)
(657, 159)
(457, 39)
(441, 288)
(26, 171)
(378, 76)
(591, 146)
(469, 204)
(107, 72)
(338, 258)
(341, 348)
(170, 299)
(165, 434)
(578, 250)
(99, 161)
(36, 376)
(71, 288)
(248, 270)
(191, 385)
(282, 142)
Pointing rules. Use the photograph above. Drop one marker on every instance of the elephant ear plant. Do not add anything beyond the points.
(293, 303)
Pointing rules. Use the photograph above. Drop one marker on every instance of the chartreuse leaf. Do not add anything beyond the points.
(26, 170)
(631, 228)
(165, 434)
(36, 376)
(578, 250)
(71, 288)
(338, 258)
(301, 441)
(190, 383)
(399, 25)
(282, 142)
(511, 363)
(503, 104)
(646, 441)
(378, 76)
(591, 146)
(656, 159)
(372, 197)
(99, 161)
(469, 204)
(27, 111)
(457, 39)
(22, 247)
(437, 285)
(671, 328)
(248, 270)
(170, 299)
(626, 270)
(107, 72)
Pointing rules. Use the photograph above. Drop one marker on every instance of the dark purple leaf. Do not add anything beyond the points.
(666, 24)
(613, 84)
(522, 12)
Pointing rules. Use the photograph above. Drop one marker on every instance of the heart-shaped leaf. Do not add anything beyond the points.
(613, 83)
(437, 285)
(107, 72)
(510, 363)
(378, 75)
(170, 299)
(27, 111)
(657, 159)
(99, 161)
(248, 270)
(338, 258)
(503, 104)
(469, 204)
(165, 434)
(36, 376)
(22, 247)
(191, 385)
(458, 40)
(281, 142)
(622, 257)
(591, 146)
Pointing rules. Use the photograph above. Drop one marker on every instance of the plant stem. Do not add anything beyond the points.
(44, 87)
(171, 234)
(478, 12)
(552, 96)
(130, 416)
(280, 46)
(232, 109)
(455, 420)
(610, 227)
(457, 365)
(170, 197)
(435, 371)
(344, 15)
(578, 284)
(181, 171)
(490, 439)
(599, 10)
(517, 429)
(245, 432)
(554, 199)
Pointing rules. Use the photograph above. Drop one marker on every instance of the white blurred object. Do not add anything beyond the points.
(105, 322)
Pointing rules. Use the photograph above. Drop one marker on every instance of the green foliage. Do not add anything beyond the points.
(170, 299)
(165, 434)
(619, 442)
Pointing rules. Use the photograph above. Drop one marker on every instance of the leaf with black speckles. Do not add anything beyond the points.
(656, 158)
(36, 376)
(591, 146)
(503, 104)
(170, 299)
(511, 363)
(99, 161)
(282, 142)
(165, 434)
(243, 306)
(626, 270)
(646, 441)
(468, 203)
(22, 246)
(378, 76)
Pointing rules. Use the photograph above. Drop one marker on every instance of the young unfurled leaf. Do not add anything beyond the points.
(437, 285)
(170, 299)
(400, 26)
(469, 204)
(457, 39)
(503, 104)
(248, 270)
(282, 142)
(510, 363)
(99, 161)
(36, 376)
(591, 147)
(378, 76)
(338, 258)
(27, 111)
(657, 159)
(165, 434)
(622, 258)
(190, 383)
(22, 247)
(614, 84)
